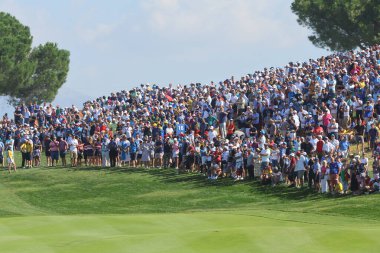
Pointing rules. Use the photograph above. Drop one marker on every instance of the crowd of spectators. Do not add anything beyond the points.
(308, 124)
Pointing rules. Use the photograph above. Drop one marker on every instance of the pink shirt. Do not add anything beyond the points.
(175, 148)
(326, 119)
(54, 145)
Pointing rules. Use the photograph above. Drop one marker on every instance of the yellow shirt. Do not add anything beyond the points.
(23, 148)
(29, 147)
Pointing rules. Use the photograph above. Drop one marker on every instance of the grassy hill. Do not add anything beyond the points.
(156, 210)
(66, 191)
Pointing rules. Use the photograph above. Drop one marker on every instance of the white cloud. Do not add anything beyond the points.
(237, 21)
(94, 33)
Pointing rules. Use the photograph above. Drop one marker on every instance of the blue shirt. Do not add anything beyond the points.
(344, 145)
(180, 128)
(368, 110)
(334, 168)
(134, 147)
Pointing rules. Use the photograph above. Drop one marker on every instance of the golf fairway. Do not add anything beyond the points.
(216, 231)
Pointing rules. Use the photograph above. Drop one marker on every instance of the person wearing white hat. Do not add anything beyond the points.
(300, 169)
(265, 156)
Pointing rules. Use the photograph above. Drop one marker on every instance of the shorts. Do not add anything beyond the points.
(54, 155)
(133, 156)
(62, 154)
(1, 159)
(88, 153)
(139, 156)
(48, 153)
(191, 159)
(359, 138)
(36, 153)
(274, 163)
(300, 173)
(334, 177)
(158, 155)
(263, 165)
(197, 160)
(28, 156)
(73, 154)
(97, 153)
(10, 160)
(238, 165)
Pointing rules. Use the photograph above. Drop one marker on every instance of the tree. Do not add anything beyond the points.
(340, 25)
(29, 74)
(50, 73)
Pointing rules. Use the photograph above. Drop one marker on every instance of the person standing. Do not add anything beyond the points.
(334, 173)
(73, 147)
(47, 142)
(373, 134)
(63, 146)
(251, 164)
(145, 157)
(37, 149)
(222, 119)
(265, 155)
(23, 153)
(325, 170)
(113, 152)
(28, 155)
(105, 153)
(300, 169)
(10, 160)
(359, 135)
(54, 151)
(134, 145)
(158, 152)
(2, 148)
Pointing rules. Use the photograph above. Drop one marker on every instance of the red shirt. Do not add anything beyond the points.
(318, 130)
(231, 128)
(320, 146)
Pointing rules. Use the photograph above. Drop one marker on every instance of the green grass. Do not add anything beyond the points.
(152, 210)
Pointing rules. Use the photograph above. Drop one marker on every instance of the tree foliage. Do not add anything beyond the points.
(340, 24)
(29, 74)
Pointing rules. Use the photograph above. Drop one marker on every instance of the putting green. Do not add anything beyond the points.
(219, 231)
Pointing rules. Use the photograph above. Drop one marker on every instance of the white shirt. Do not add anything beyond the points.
(262, 141)
(300, 164)
(335, 143)
(275, 155)
(265, 154)
(358, 105)
(225, 155)
(346, 110)
(333, 128)
(328, 147)
(73, 144)
(234, 98)
(169, 130)
(211, 135)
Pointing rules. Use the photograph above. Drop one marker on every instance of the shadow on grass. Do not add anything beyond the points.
(195, 180)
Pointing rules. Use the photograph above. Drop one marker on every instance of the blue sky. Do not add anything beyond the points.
(118, 44)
